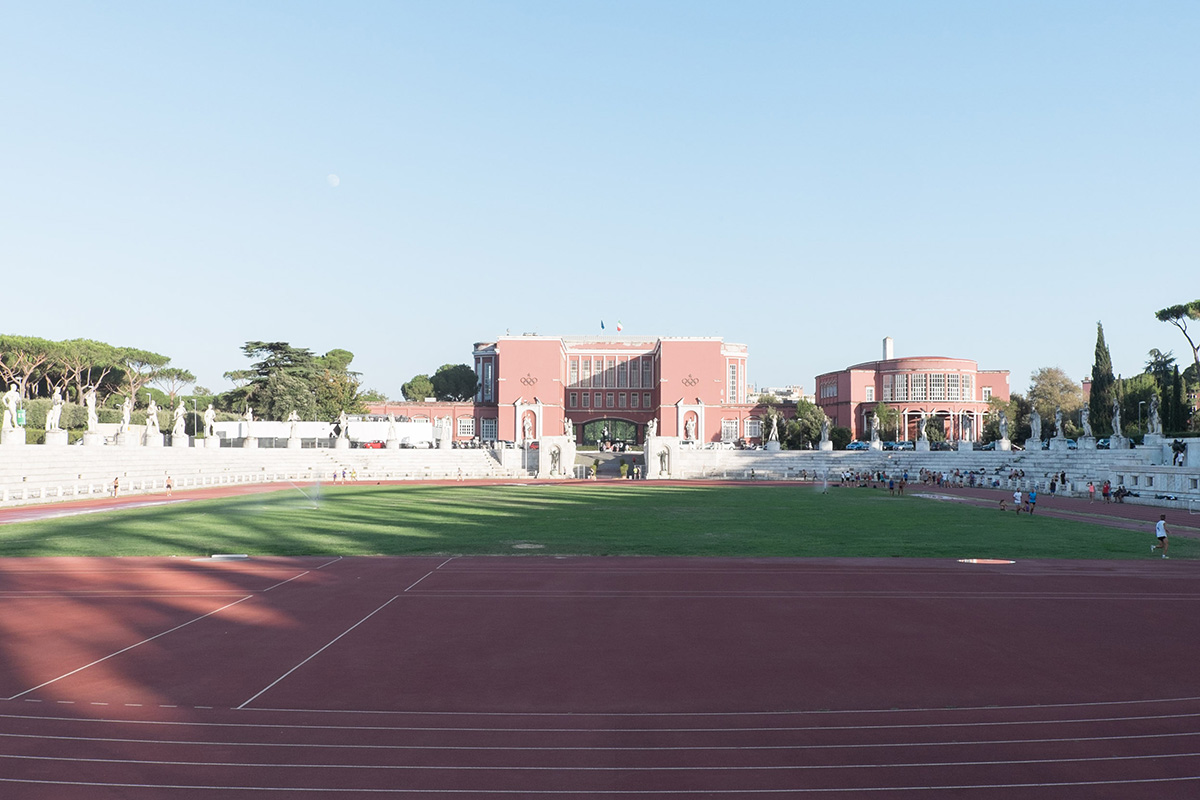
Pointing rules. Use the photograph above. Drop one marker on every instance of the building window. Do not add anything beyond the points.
(732, 397)
(952, 390)
(646, 399)
(487, 428)
(987, 393)
(968, 387)
(887, 388)
(829, 389)
(729, 429)
(900, 390)
(599, 398)
(466, 426)
(621, 400)
(937, 387)
(487, 380)
(609, 398)
(587, 398)
(622, 374)
(633, 399)
(648, 373)
(635, 373)
(916, 384)
(753, 429)
(573, 374)
(610, 374)
(586, 377)
(573, 399)
(870, 394)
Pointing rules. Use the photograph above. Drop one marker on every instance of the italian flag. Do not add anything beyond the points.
(618, 326)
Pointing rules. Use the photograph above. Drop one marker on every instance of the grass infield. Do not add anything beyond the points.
(732, 521)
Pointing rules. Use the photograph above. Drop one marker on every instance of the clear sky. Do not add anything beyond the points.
(976, 179)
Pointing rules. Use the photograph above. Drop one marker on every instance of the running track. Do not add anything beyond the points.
(592, 678)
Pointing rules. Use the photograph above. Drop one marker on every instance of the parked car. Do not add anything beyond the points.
(371, 445)
(988, 446)
(1103, 444)
(858, 446)
(905, 446)
(941, 445)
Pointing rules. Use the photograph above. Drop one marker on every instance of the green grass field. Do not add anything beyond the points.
(740, 521)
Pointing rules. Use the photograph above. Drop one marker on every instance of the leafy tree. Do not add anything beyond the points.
(86, 363)
(140, 367)
(372, 396)
(889, 421)
(1050, 388)
(454, 382)
(840, 436)
(419, 388)
(1178, 316)
(1100, 400)
(1159, 365)
(1135, 394)
(286, 378)
(21, 357)
(172, 380)
(935, 429)
(805, 428)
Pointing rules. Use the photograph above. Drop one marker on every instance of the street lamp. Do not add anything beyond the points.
(195, 430)
(1140, 404)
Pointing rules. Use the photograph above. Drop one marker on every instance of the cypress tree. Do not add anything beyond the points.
(1177, 413)
(1100, 400)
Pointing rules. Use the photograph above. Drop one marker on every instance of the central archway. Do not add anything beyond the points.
(609, 430)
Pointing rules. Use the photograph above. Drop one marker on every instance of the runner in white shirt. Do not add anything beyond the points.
(1160, 531)
(1017, 500)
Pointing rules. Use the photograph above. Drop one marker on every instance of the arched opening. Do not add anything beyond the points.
(600, 431)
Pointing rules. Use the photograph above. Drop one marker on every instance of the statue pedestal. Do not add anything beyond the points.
(965, 446)
(152, 439)
(93, 439)
(213, 441)
(180, 441)
(1058, 445)
(1153, 440)
(393, 444)
(341, 443)
(826, 446)
(56, 438)
(1004, 444)
(877, 445)
(773, 447)
(1033, 445)
(13, 437)
(922, 445)
(250, 443)
(126, 440)
(551, 467)
(1118, 443)
(1087, 442)
(294, 443)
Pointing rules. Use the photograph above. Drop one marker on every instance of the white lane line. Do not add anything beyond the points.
(130, 647)
(444, 563)
(327, 563)
(959, 743)
(423, 577)
(601, 731)
(314, 655)
(573, 792)
(289, 580)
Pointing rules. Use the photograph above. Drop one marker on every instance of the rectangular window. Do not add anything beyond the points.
(900, 392)
(937, 387)
(487, 380)
(952, 388)
(622, 374)
(916, 384)
(648, 373)
(635, 373)
(968, 387)
(987, 393)
(870, 394)
(487, 429)
(573, 399)
(599, 398)
(573, 375)
(466, 426)
(729, 430)
(610, 374)
(646, 399)
(829, 389)
(753, 429)
(887, 388)
(633, 399)
(597, 374)
(732, 397)
(621, 400)
(610, 399)
(587, 399)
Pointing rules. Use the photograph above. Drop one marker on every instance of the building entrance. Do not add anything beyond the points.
(609, 430)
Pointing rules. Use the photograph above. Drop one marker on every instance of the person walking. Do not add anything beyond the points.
(116, 486)
(1160, 532)
(1032, 500)
(1106, 491)
(1091, 492)
(170, 485)
(1017, 501)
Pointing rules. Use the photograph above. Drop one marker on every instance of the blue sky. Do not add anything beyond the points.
(976, 179)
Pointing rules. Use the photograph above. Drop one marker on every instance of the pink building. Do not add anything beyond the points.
(695, 387)
(952, 390)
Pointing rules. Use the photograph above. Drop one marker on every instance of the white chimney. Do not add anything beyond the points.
(887, 348)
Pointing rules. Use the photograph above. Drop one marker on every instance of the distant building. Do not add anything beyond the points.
(780, 394)
(952, 390)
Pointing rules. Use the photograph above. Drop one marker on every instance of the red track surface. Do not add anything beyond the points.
(588, 678)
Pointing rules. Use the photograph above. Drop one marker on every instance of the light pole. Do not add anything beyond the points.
(1140, 404)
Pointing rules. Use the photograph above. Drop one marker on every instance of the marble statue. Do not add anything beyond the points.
(923, 431)
(555, 457)
(663, 462)
(824, 428)
(344, 424)
(391, 434)
(689, 428)
(964, 425)
(11, 399)
(126, 413)
(92, 418)
(1085, 419)
(527, 428)
(568, 428)
(293, 418)
(774, 437)
(1116, 417)
(652, 428)
(874, 427)
(55, 413)
(210, 421)
(1035, 426)
(179, 428)
(152, 416)
(1058, 424)
(1155, 422)
(249, 419)
(1003, 424)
